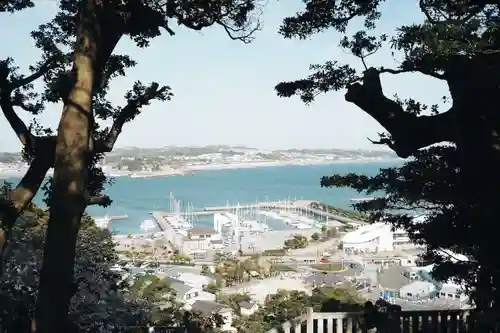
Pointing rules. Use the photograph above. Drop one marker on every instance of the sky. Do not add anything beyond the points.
(224, 89)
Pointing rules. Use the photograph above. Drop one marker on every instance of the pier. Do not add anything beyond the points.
(118, 217)
(159, 219)
(299, 205)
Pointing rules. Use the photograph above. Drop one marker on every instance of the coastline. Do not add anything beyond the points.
(215, 167)
(250, 165)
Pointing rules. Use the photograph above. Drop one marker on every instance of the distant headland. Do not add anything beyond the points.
(174, 160)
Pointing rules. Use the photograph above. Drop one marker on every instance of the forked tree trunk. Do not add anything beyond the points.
(69, 182)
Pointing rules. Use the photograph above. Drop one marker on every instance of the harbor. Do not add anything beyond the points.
(246, 228)
(249, 227)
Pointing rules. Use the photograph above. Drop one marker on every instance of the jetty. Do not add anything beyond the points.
(118, 217)
(303, 206)
(159, 219)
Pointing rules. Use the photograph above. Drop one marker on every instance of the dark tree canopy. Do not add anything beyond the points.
(456, 183)
(77, 64)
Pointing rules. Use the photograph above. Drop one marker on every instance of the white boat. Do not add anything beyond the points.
(103, 222)
(148, 225)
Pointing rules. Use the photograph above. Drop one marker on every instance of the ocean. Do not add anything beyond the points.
(138, 197)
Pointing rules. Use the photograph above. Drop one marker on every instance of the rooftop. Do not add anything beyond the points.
(392, 278)
(208, 308)
(201, 231)
(180, 287)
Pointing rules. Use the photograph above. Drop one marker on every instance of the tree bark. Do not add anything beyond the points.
(72, 158)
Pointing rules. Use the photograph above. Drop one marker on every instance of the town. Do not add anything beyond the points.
(168, 161)
(210, 268)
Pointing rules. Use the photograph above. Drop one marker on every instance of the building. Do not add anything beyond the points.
(197, 239)
(452, 291)
(410, 261)
(377, 237)
(195, 280)
(369, 238)
(209, 308)
(188, 294)
(418, 290)
(392, 279)
(248, 308)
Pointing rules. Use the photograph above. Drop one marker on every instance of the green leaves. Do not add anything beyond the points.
(326, 14)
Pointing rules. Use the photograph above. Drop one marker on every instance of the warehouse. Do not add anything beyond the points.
(450, 290)
(418, 290)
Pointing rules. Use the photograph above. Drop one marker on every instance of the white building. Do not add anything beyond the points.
(452, 291)
(248, 308)
(418, 289)
(378, 236)
(369, 238)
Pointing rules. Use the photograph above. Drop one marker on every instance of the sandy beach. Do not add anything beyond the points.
(208, 167)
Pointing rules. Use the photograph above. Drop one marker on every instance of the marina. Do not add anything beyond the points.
(248, 227)
(254, 227)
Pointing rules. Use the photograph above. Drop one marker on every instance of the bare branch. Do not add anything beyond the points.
(408, 131)
(128, 113)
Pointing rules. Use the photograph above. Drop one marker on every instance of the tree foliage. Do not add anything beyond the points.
(287, 305)
(456, 184)
(296, 242)
(77, 65)
(97, 306)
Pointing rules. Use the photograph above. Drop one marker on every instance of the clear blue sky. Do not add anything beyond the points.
(224, 89)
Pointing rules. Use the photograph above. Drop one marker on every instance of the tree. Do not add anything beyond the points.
(180, 258)
(296, 242)
(233, 300)
(205, 270)
(315, 237)
(455, 183)
(211, 288)
(286, 305)
(98, 304)
(80, 79)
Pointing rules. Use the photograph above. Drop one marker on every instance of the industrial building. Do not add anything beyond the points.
(418, 290)
(369, 238)
(377, 237)
(450, 290)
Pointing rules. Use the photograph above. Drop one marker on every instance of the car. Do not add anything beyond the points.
(324, 260)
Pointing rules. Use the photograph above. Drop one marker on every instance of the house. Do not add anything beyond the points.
(208, 308)
(201, 233)
(195, 280)
(247, 308)
(197, 239)
(188, 294)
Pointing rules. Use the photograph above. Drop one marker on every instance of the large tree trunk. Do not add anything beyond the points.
(69, 182)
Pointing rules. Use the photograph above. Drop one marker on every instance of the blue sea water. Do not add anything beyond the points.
(138, 197)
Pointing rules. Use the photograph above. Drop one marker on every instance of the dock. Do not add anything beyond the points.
(158, 218)
(118, 217)
(300, 205)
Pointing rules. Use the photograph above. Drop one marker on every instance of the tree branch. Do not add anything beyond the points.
(6, 103)
(100, 201)
(18, 199)
(44, 68)
(128, 113)
(409, 132)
